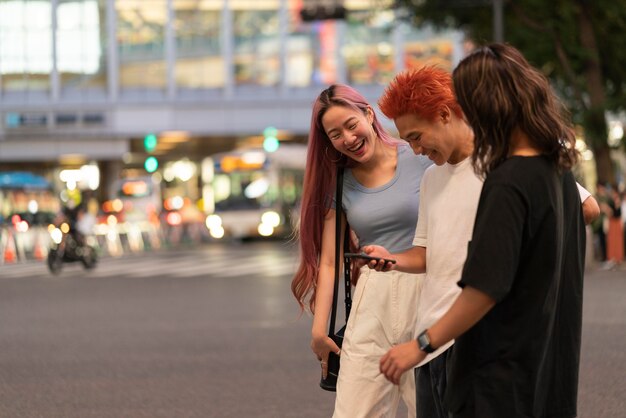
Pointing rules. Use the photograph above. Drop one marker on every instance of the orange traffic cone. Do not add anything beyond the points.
(39, 251)
(10, 254)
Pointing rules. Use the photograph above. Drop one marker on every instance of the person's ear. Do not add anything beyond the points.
(369, 114)
(445, 114)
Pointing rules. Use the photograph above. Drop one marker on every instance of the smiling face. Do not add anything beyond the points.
(435, 139)
(351, 132)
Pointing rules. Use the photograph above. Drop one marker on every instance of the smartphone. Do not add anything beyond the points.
(368, 257)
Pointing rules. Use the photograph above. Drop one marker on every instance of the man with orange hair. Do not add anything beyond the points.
(423, 107)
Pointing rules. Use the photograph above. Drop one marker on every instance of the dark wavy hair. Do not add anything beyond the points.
(499, 91)
(319, 185)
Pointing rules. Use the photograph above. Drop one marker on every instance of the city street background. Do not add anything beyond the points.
(209, 331)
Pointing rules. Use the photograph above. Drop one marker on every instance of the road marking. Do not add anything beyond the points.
(240, 262)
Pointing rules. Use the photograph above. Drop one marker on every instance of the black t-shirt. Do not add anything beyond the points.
(527, 252)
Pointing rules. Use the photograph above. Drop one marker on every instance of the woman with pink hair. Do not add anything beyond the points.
(380, 202)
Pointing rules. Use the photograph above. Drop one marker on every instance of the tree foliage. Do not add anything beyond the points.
(579, 44)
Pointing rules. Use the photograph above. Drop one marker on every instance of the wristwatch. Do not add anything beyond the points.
(423, 341)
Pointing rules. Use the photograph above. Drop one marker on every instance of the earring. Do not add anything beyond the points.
(330, 159)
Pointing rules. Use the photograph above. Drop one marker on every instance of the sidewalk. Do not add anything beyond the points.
(605, 268)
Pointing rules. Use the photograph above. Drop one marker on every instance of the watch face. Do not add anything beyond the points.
(424, 342)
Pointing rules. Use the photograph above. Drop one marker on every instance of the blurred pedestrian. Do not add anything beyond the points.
(624, 218)
(599, 225)
(517, 320)
(615, 236)
(380, 202)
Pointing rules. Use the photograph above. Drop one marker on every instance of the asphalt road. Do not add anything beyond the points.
(209, 332)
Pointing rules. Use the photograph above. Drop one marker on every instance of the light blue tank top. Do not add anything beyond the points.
(387, 215)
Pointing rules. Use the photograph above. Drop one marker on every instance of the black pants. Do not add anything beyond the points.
(430, 387)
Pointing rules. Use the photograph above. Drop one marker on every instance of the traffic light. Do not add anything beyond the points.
(151, 164)
(329, 9)
(150, 142)
(270, 141)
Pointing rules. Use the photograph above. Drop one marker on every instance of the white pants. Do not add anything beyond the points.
(384, 310)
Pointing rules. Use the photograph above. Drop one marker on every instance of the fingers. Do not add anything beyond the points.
(380, 265)
(324, 365)
(322, 354)
(391, 369)
(374, 265)
(393, 374)
(332, 346)
(358, 263)
(323, 359)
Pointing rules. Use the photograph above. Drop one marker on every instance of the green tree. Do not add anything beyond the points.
(578, 44)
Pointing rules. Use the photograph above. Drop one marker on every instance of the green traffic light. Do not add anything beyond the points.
(270, 132)
(271, 144)
(151, 164)
(150, 142)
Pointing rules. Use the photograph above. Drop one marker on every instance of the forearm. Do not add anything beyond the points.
(467, 310)
(411, 261)
(323, 300)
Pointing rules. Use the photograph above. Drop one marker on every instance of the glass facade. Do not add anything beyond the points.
(422, 48)
(312, 49)
(199, 45)
(87, 80)
(141, 44)
(80, 41)
(369, 50)
(25, 47)
(256, 42)
(149, 49)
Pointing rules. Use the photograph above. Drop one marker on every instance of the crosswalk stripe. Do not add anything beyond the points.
(230, 263)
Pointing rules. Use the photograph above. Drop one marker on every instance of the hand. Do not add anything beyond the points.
(321, 346)
(378, 252)
(399, 359)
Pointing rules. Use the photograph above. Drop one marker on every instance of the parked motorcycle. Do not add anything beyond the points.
(66, 248)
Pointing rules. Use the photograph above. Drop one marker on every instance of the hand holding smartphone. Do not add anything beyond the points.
(367, 257)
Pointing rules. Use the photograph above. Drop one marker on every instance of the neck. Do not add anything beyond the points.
(465, 145)
(381, 155)
(521, 144)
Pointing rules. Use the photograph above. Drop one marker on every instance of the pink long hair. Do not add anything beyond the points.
(319, 185)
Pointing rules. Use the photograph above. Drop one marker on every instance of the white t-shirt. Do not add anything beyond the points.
(584, 193)
(448, 204)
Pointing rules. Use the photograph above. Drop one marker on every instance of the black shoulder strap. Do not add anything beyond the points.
(346, 273)
(338, 256)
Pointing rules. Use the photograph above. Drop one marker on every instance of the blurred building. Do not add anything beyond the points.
(84, 82)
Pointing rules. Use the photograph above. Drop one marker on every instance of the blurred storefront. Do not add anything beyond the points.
(83, 83)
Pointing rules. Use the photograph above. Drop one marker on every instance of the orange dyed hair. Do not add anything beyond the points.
(423, 92)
